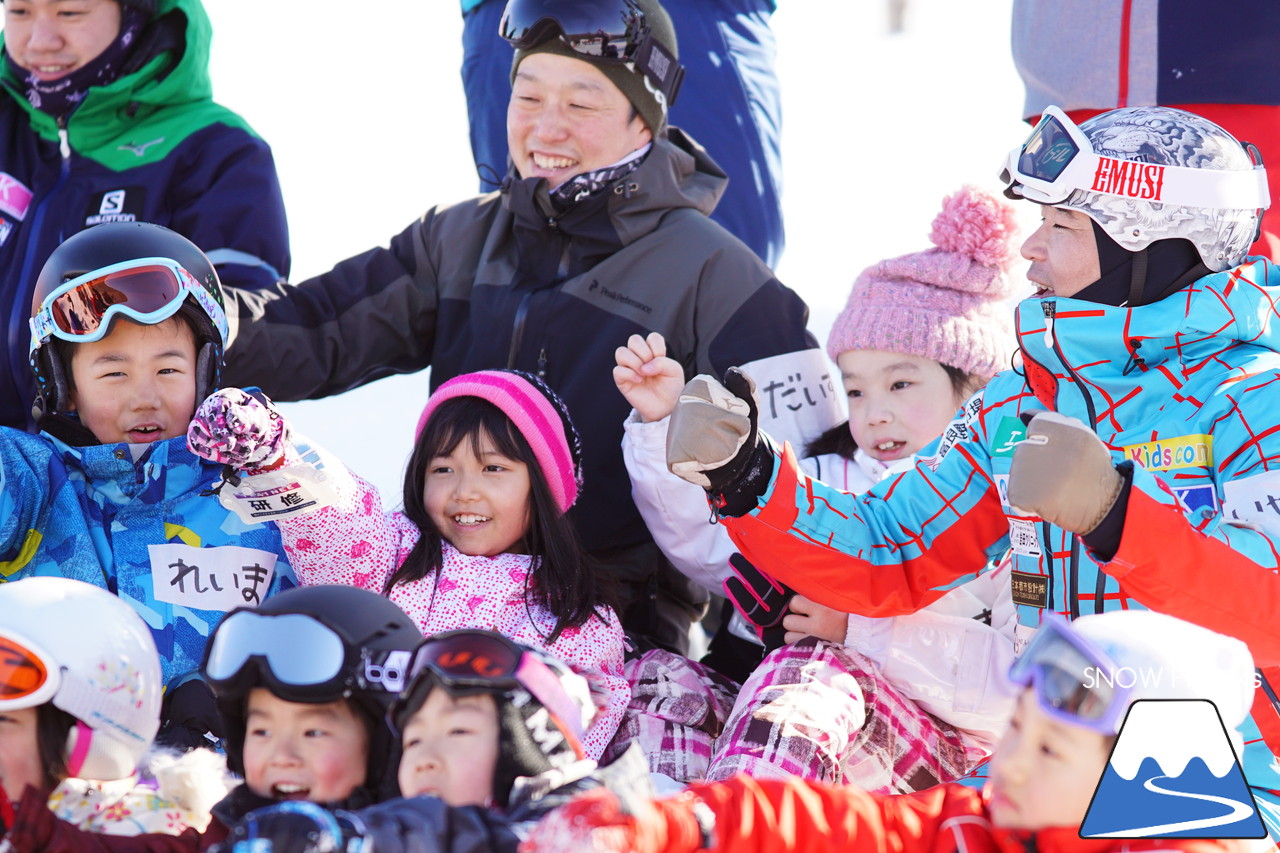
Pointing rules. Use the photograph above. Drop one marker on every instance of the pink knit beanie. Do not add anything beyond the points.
(945, 303)
(539, 415)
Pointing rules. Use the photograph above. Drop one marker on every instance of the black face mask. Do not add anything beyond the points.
(1142, 277)
(60, 97)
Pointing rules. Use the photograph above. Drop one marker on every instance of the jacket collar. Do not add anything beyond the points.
(170, 67)
(677, 173)
(1116, 349)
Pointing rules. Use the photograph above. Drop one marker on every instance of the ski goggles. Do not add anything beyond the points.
(1074, 680)
(596, 29)
(30, 677)
(149, 290)
(297, 656)
(27, 677)
(484, 660)
(1057, 159)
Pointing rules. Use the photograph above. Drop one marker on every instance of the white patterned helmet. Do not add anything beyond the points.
(90, 654)
(1146, 174)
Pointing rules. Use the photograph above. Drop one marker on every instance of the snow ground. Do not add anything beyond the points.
(363, 106)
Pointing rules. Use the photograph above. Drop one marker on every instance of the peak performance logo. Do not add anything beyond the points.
(1126, 178)
(1172, 774)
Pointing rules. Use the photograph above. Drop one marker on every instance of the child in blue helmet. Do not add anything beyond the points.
(127, 338)
(1078, 680)
(492, 739)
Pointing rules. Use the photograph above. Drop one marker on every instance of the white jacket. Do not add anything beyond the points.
(951, 658)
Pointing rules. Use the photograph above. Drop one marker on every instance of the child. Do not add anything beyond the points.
(492, 741)
(127, 335)
(1043, 772)
(483, 541)
(79, 707)
(303, 683)
(899, 703)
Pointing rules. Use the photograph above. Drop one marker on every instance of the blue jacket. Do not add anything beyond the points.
(151, 147)
(96, 515)
(1185, 390)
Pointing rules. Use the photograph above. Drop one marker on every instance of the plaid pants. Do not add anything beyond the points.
(821, 711)
(677, 709)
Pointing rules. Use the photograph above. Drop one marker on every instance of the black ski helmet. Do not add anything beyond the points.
(377, 638)
(111, 244)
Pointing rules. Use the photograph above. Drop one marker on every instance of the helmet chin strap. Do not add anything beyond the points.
(79, 741)
(1137, 277)
(207, 364)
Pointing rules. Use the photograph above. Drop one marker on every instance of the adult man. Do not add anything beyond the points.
(600, 231)
(730, 103)
(1149, 360)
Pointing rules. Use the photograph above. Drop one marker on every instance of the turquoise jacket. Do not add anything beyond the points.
(1185, 390)
(96, 515)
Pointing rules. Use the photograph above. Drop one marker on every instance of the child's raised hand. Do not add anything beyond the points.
(649, 380)
(242, 429)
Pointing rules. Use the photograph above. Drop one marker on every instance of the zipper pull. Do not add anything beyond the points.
(1049, 307)
(64, 141)
(542, 363)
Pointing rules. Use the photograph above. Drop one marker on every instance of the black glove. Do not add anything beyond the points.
(762, 600)
(189, 718)
(293, 827)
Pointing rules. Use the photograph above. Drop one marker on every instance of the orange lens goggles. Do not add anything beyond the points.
(22, 672)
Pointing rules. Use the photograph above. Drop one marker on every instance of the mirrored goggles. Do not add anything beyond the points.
(27, 675)
(1057, 159)
(149, 290)
(489, 661)
(598, 29)
(298, 656)
(1074, 681)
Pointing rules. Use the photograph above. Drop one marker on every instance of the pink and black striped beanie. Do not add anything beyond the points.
(537, 412)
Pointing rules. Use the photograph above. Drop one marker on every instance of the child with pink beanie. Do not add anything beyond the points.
(890, 705)
(482, 541)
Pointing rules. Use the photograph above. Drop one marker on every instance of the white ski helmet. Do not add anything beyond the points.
(89, 653)
(1146, 174)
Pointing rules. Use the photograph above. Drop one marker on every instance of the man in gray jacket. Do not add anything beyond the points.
(600, 231)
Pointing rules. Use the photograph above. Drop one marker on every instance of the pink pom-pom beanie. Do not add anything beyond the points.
(946, 303)
(539, 415)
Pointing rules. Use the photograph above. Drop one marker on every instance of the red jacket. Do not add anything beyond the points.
(807, 817)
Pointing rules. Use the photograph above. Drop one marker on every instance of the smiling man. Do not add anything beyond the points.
(601, 230)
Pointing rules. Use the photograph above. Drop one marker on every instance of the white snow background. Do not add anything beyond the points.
(362, 104)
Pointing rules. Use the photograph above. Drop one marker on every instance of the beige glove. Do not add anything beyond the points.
(712, 433)
(1063, 473)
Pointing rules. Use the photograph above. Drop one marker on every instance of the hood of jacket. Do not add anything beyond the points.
(676, 173)
(1161, 347)
(163, 96)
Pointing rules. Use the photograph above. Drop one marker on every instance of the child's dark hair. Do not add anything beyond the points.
(839, 440)
(564, 581)
(53, 725)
